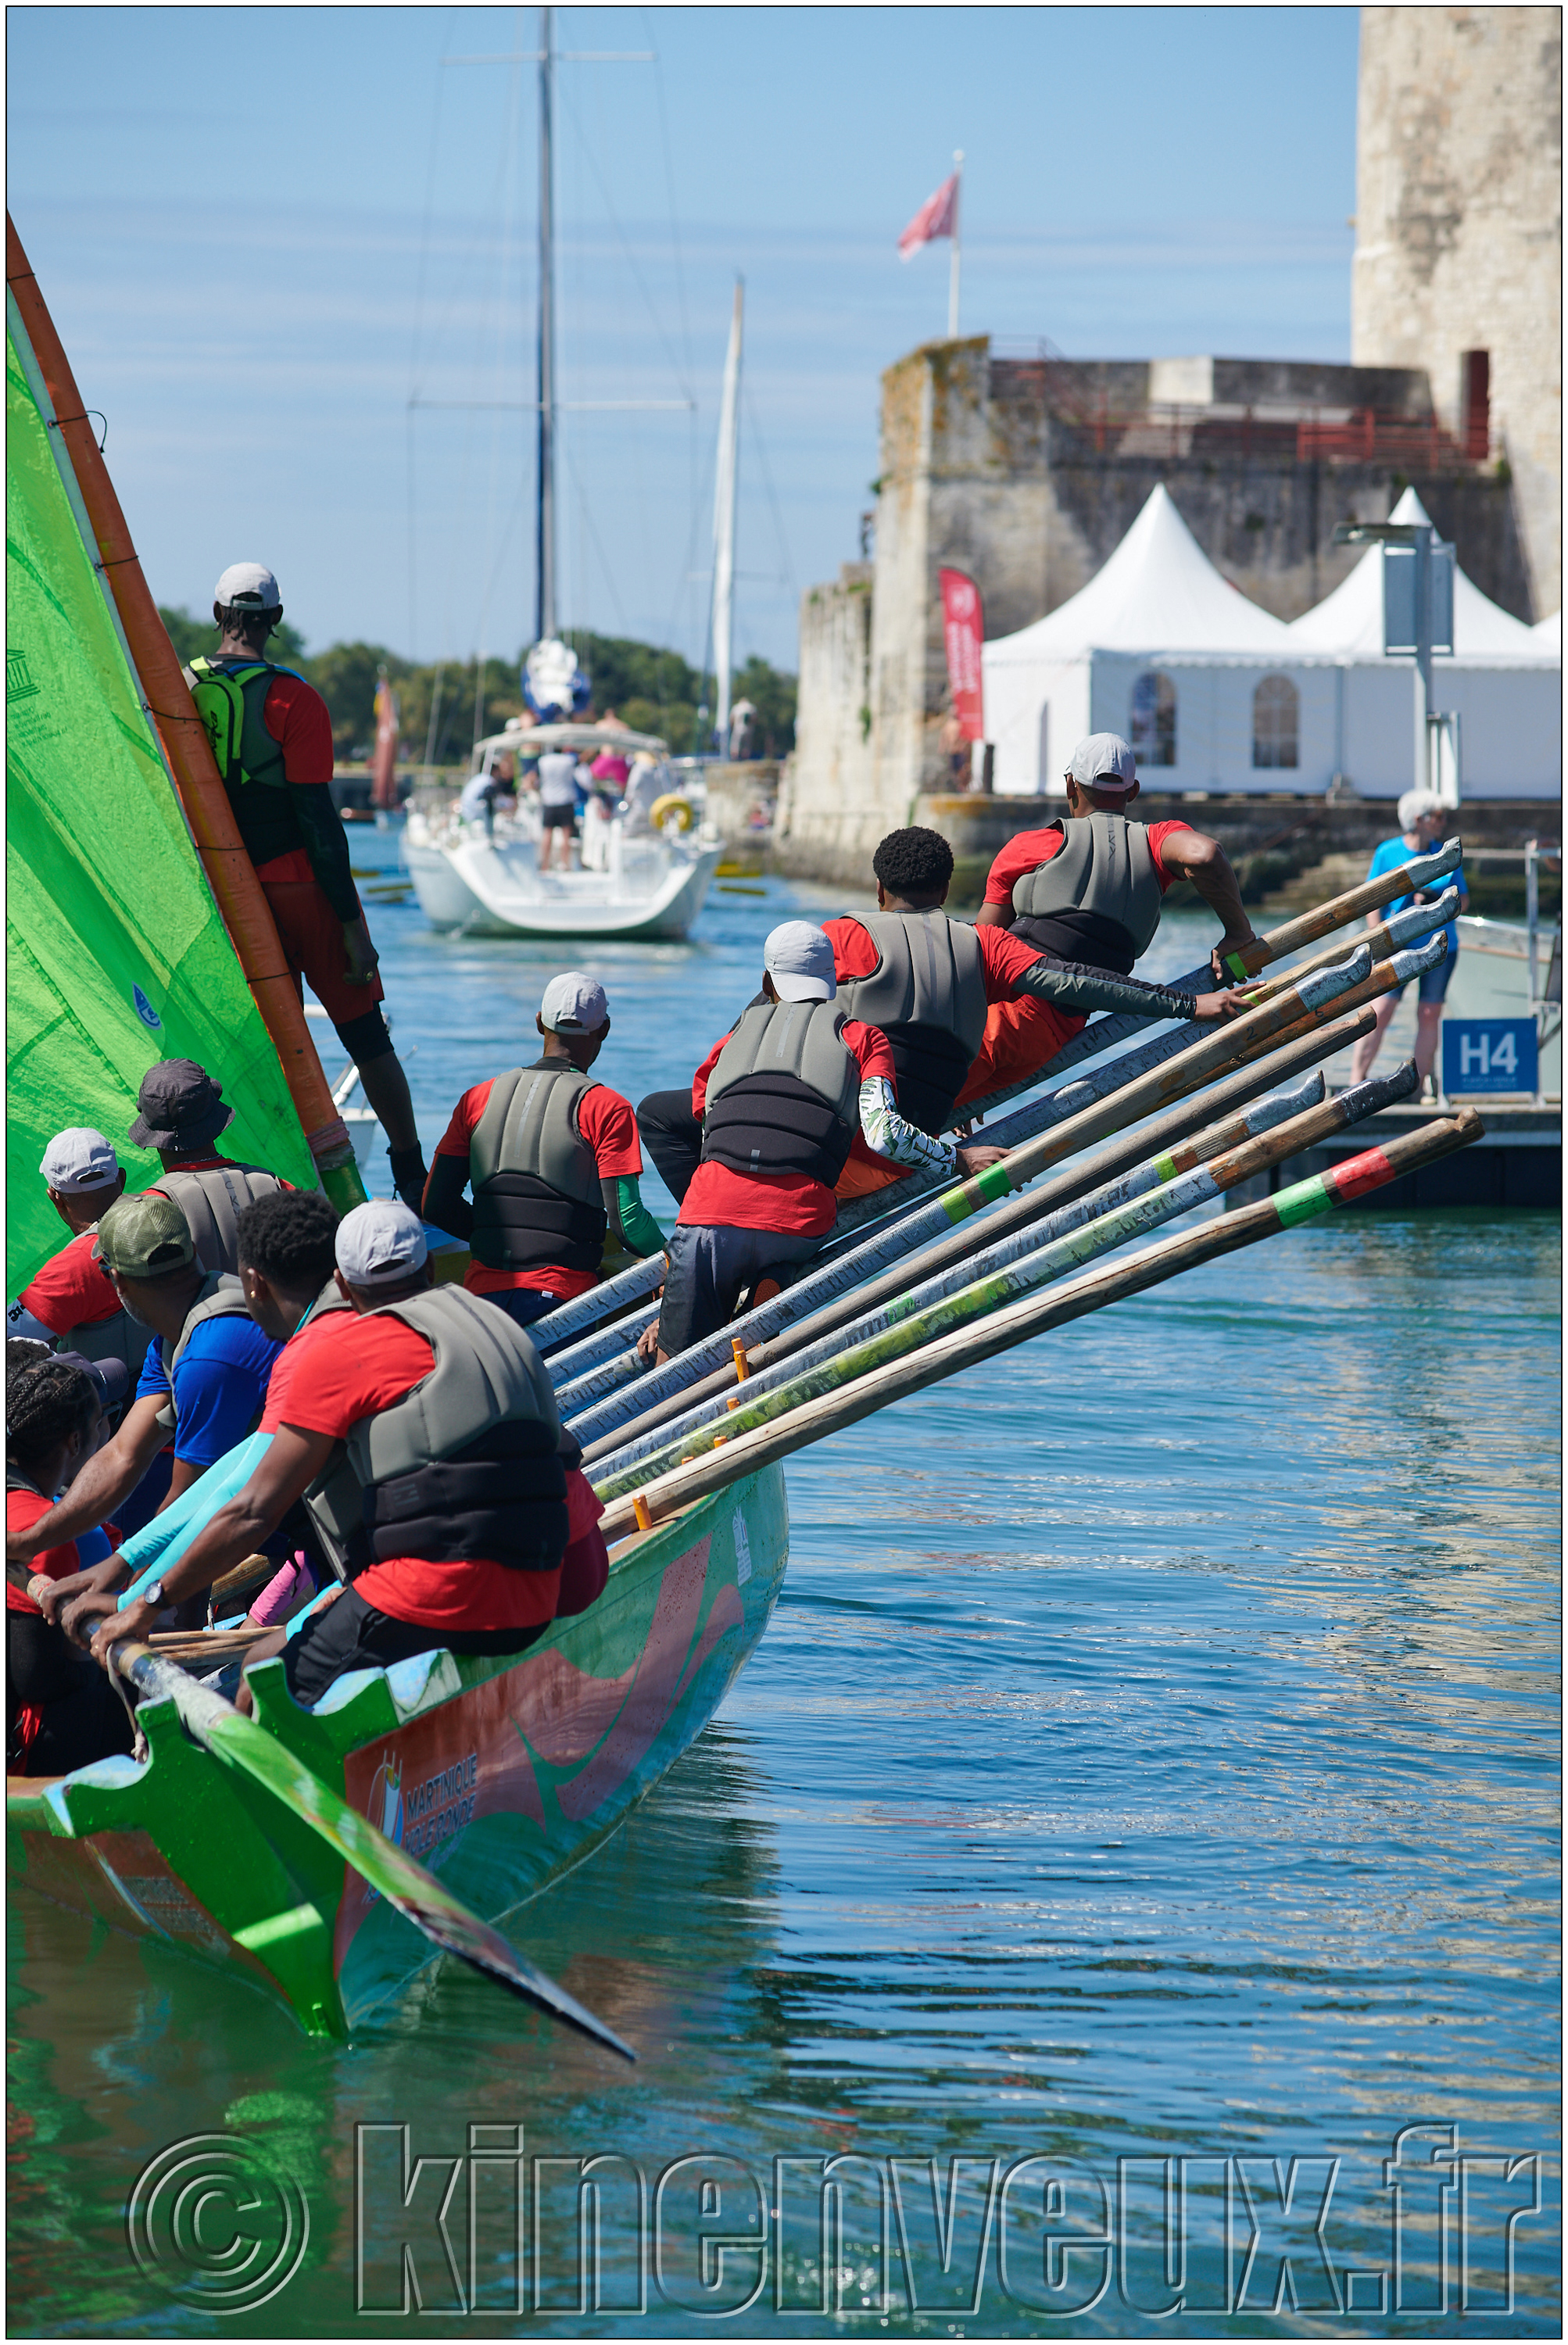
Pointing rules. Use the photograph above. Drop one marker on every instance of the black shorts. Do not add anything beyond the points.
(709, 1266)
(350, 1634)
(558, 818)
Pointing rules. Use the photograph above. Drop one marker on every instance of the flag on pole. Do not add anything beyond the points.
(938, 216)
(963, 631)
(384, 762)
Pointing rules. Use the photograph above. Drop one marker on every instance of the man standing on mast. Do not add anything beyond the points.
(272, 738)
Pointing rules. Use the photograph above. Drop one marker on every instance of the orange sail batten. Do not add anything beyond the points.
(239, 894)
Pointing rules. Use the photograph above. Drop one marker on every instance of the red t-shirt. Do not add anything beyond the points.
(72, 1290)
(299, 721)
(1030, 849)
(608, 1125)
(23, 1509)
(344, 1367)
(791, 1202)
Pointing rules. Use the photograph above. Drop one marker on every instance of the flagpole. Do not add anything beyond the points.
(955, 260)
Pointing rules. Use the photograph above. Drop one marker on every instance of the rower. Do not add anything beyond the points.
(420, 1429)
(271, 734)
(929, 983)
(203, 1380)
(780, 1100)
(180, 1112)
(71, 1301)
(1089, 888)
(60, 1712)
(555, 1165)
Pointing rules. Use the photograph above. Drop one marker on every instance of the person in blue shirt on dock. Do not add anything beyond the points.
(1422, 819)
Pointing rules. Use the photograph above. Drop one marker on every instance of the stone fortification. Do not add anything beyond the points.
(1458, 236)
(1026, 472)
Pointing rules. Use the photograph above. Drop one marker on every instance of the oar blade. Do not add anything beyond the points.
(484, 1949)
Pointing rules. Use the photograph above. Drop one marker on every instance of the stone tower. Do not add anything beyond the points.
(1459, 238)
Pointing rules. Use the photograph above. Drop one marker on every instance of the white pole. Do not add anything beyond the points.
(724, 521)
(955, 263)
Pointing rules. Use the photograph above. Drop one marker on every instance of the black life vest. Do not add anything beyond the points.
(927, 994)
(536, 1194)
(784, 1096)
(1097, 899)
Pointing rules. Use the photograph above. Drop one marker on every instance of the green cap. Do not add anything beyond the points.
(143, 1236)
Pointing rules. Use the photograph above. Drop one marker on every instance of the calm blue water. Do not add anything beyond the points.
(1140, 1815)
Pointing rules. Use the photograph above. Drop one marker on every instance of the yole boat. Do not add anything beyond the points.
(498, 1775)
(484, 878)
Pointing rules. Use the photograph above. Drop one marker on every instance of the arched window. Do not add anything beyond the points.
(1276, 723)
(1043, 770)
(1153, 729)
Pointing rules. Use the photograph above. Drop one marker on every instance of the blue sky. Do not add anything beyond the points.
(263, 231)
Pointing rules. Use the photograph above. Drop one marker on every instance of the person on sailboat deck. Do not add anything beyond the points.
(420, 1430)
(73, 1295)
(1089, 888)
(271, 734)
(554, 1164)
(558, 806)
(781, 1100)
(203, 1380)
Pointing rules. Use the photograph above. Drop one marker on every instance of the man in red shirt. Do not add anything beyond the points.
(1101, 906)
(73, 1295)
(554, 1165)
(272, 738)
(780, 1100)
(467, 1522)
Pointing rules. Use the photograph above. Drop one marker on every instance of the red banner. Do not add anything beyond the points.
(383, 760)
(964, 630)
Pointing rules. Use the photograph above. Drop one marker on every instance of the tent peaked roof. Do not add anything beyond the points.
(1159, 593)
(1349, 622)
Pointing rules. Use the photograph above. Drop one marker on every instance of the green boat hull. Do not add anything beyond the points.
(499, 1775)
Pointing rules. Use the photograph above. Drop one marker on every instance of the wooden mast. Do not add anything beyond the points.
(231, 874)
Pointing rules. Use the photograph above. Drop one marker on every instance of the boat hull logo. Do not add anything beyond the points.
(145, 1011)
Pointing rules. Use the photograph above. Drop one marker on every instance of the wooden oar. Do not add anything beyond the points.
(1111, 1283)
(237, 1743)
(863, 1288)
(1406, 928)
(1336, 912)
(601, 1401)
(585, 1310)
(251, 1573)
(1141, 1200)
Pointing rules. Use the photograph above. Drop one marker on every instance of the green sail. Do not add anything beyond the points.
(117, 954)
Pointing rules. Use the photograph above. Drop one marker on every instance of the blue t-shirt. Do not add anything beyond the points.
(218, 1386)
(1388, 856)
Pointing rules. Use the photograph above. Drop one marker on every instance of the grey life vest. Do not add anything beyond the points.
(926, 993)
(118, 1337)
(1097, 900)
(537, 1194)
(212, 1203)
(220, 1298)
(784, 1096)
(466, 1467)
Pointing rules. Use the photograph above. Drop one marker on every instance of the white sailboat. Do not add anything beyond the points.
(645, 868)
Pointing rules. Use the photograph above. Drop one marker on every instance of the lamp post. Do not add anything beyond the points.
(1417, 621)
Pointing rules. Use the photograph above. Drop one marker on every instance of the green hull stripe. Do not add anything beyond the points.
(1300, 1202)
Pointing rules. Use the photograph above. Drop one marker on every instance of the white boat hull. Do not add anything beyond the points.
(495, 889)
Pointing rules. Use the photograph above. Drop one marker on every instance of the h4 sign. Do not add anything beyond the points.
(1488, 1054)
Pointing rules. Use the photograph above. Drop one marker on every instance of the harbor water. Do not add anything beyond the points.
(1118, 1897)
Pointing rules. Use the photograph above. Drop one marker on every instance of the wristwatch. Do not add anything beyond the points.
(151, 1594)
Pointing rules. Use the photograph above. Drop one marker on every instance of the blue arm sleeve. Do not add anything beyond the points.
(150, 1551)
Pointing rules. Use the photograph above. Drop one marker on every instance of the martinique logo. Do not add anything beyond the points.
(145, 1011)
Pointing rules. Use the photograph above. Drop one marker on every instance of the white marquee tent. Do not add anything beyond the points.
(1217, 694)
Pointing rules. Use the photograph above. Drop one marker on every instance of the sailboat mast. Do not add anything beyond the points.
(724, 521)
(544, 577)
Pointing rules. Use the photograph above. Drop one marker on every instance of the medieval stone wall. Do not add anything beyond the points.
(1458, 232)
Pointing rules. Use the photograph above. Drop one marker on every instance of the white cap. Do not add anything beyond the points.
(799, 959)
(573, 1003)
(77, 1160)
(380, 1244)
(250, 584)
(1103, 762)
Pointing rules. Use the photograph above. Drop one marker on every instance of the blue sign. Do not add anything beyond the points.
(1488, 1054)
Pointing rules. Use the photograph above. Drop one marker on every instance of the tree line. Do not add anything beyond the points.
(650, 689)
